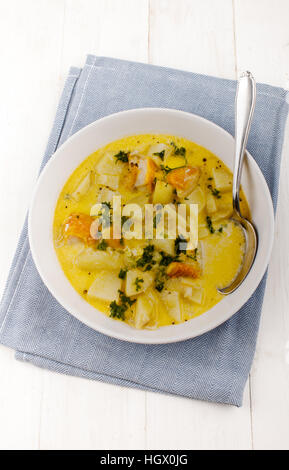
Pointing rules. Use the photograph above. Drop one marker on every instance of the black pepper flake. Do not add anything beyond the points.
(85, 291)
(204, 159)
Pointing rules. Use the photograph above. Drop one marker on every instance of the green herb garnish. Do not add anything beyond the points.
(210, 225)
(214, 191)
(138, 281)
(122, 156)
(146, 261)
(160, 154)
(122, 273)
(102, 245)
(178, 247)
(117, 310)
(179, 150)
(126, 300)
(167, 259)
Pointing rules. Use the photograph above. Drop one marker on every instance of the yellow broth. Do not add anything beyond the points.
(221, 242)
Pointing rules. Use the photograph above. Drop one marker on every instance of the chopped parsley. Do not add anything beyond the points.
(117, 310)
(179, 150)
(124, 218)
(138, 281)
(167, 259)
(214, 191)
(146, 260)
(102, 245)
(122, 273)
(166, 169)
(108, 204)
(160, 279)
(194, 256)
(159, 284)
(180, 244)
(160, 154)
(126, 300)
(157, 219)
(122, 156)
(209, 224)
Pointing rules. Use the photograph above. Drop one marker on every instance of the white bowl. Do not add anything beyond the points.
(100, 133)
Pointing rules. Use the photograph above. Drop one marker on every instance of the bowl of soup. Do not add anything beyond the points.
(130, 225)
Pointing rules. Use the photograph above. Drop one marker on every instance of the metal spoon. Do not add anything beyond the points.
(244, 109)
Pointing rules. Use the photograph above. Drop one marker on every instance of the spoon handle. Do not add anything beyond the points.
(244, 109)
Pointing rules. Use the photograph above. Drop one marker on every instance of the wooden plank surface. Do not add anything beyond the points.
(39, 40)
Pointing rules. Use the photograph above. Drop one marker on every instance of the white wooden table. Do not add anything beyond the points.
(39, 40)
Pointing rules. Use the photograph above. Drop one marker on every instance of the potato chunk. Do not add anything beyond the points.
(82, 187)
(137, 281)
(91, 260)
(163, 193)
(211, 204)
(111, 181)
(105, 286)
(108, 165)
(192, 292)
(223, 179)
(172, 304)
(144, 311)
(196, 197)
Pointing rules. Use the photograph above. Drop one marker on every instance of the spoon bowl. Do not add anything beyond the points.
(244, 110)
(251, 244)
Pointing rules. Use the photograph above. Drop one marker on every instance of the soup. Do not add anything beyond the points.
(149, 283)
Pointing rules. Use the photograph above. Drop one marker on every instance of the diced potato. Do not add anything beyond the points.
(211, 204)
(187, 291)
(144, 311)
(223, 179)
(83, 187)
(167, 245)
(112, 181)
(163, 193)
(192, 290)
(108, 165)
(133, 287)
(187, 308)
(197, 295)
(172, 304)
(106, 195)
(90, 260)
(196, 197)
(106, 286)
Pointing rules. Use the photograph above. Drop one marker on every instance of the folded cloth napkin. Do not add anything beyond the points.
(212, 367)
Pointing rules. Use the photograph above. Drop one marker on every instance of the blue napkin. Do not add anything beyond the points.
(212, 367)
